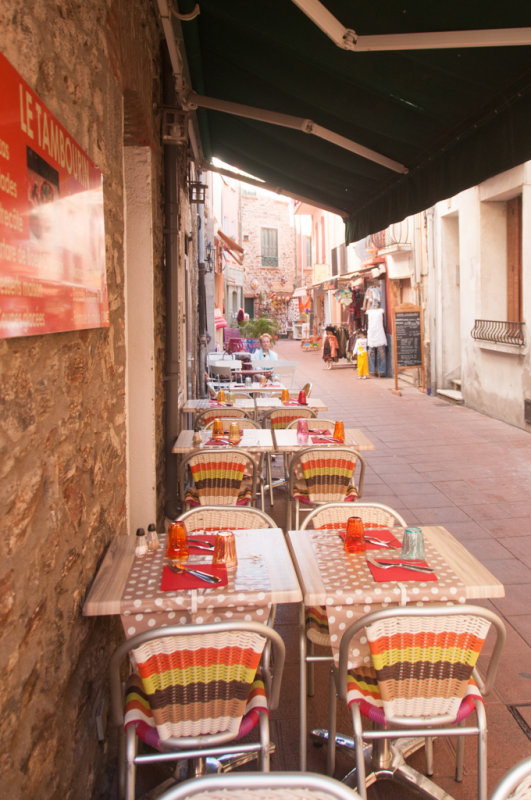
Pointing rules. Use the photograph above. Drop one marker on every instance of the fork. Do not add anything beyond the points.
(391, 564)
(204, 576)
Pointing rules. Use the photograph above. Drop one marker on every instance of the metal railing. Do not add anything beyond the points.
(498, 331)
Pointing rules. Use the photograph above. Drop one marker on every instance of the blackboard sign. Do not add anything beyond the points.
(408, 339)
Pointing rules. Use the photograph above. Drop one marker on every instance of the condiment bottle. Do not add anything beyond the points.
(141, 546)
(152, 537)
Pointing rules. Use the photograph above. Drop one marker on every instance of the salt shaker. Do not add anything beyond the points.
(141, 546)
(152, 537)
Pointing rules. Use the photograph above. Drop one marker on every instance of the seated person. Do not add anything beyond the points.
(264, 352)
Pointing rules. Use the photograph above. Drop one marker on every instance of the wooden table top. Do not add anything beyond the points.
(312, 567)
(286, 439)
(204, 403)
(264, 575)
(268, 403)
(256, 440)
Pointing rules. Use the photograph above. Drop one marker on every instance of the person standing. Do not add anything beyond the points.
(360, 350)
(376, 341)
(330, 347)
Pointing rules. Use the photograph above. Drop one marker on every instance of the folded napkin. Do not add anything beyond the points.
(215, 404)
(378, 533)
(215, 442)
(293, 403)
(205, 537)
(398, 573)
(329, 440)
(171, 582)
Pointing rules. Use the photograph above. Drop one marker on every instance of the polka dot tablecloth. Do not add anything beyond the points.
(144, 606)
(352, 592)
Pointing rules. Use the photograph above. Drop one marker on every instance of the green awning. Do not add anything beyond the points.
(452, 117)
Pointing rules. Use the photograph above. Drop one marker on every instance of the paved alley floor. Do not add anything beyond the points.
(436, 463)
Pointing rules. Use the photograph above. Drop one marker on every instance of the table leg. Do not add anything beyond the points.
(302, 689)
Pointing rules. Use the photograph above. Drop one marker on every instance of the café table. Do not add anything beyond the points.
(196, 405)
(269, 403)
(286, 440)
(130, 586)
(255, 440)
(344, 584)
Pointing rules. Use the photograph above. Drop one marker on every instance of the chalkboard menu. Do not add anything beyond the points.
(408, 339)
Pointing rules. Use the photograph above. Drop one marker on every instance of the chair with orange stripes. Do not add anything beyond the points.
(319, 475)
(217, 477)
(422, 682)
(194, 688)
(278, 419)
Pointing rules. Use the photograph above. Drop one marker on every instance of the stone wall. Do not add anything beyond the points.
(62, 413)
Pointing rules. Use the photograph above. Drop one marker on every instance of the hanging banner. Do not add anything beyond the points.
(52, 241)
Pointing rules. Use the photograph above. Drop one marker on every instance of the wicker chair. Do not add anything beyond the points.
(422, 683)
(175, 705)
(246, 423)
(217, 478)
(277, 419)
(269, 786)
(516, 785)
(210, 414)
(215, 518)
(328, 476)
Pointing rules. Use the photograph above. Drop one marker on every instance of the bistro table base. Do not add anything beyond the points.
(385, 761)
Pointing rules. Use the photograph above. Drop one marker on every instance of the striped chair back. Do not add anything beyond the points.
(218, 477)
(215, 518)
(196, 685)
(423, 665)
(210, 414)
(280, 418)
(328, 473)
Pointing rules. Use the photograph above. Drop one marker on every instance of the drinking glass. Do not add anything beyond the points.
(262, 380)
(234, 433)
(217, 429)
(354, 538)
(302, 430)
(225, 549)
(339, 431)
(248, 380)
(221, 396)
(302, 397)
(231, 398)
(285, 396)
(177, 544)
(413, 545)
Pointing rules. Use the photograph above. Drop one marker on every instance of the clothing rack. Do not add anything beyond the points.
(342, 334)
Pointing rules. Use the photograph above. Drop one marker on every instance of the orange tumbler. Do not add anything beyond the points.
(354, 538)
(217, 429)
(285, 396)
(234, 433)
(221, 396)
(177, 543)
(339, 431)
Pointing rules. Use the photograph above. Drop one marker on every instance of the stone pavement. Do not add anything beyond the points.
(437, 463)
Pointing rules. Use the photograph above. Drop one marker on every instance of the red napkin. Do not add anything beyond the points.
(399, 574)
(215, 404)
(330, 440)
(217, 441)
(205, 537)
(294, 403)
(172, 582)
(379, 533)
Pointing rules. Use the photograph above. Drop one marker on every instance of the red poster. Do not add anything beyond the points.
(52, 242)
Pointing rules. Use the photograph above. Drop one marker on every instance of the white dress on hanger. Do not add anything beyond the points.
(376, 336)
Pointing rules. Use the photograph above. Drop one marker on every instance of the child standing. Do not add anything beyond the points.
(360, 349)
(330, 347)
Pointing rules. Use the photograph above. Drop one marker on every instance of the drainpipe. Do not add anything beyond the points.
(432, 294)
(171, 244)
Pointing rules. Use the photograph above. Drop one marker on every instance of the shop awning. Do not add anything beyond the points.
(443, 119)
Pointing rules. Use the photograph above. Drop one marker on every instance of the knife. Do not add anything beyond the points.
(381, 542)
(201, 542)
(204, 576)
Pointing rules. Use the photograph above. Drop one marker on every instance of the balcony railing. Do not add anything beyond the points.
(498, 331)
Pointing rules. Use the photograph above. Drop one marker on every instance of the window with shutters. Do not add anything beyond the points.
(514, 259)
(269, 247)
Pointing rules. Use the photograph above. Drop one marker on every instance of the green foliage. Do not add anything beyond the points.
(254, 328)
